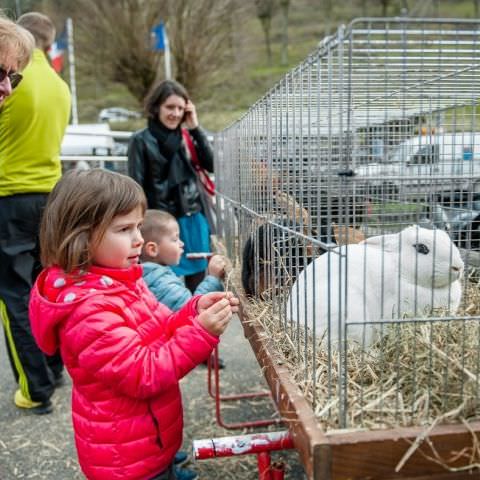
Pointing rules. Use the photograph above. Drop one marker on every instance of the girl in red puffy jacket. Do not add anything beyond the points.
(124, 351)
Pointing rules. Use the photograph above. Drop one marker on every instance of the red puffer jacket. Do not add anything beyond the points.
(125, 353)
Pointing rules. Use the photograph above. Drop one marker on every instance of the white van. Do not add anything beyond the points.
(442, 161)
(88, 139)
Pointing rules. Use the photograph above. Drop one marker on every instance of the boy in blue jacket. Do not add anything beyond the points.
(163, 248)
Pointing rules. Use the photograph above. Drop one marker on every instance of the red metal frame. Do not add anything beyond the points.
(240, 396)
(260, 444)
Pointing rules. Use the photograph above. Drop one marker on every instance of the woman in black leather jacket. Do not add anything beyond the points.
(160, 162)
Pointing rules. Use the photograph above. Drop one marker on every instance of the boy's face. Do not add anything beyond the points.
(170, 247)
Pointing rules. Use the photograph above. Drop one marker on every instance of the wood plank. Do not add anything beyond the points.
(442, 476)
(375, 454)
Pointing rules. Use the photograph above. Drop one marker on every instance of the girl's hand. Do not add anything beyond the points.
(215, 311)
(207, 300)
(190, 115)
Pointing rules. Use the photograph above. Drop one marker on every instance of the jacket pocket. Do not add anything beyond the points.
(156, 426)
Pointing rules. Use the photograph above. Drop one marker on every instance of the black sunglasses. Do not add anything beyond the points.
(14, 77)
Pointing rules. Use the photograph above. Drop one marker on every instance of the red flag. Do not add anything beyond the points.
(57, 52)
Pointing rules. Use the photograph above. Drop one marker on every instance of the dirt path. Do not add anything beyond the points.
(33, 447)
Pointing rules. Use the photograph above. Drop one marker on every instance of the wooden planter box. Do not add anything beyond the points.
(362, 454)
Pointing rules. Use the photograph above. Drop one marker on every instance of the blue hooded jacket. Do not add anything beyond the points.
(170, 289)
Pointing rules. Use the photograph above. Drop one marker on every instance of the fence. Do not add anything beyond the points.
(318, 183)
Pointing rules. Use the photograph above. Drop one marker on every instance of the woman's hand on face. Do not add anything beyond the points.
(190, 119)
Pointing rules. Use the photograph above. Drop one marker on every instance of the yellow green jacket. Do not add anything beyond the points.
(33, 120)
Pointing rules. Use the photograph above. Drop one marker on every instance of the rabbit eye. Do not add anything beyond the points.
(421, 248)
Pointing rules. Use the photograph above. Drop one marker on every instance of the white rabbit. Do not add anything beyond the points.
(382, 278)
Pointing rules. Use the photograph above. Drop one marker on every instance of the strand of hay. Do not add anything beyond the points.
(417, 374)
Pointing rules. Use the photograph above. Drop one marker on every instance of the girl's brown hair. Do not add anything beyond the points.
(82, 203)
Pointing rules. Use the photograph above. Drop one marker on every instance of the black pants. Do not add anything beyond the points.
(19, 266)
(168, 474)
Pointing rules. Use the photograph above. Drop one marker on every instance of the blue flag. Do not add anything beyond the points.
(158, 34)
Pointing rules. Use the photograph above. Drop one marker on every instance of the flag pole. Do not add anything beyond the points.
(168, 67)
(71, 65)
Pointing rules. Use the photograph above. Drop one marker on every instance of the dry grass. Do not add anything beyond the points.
(417, 374)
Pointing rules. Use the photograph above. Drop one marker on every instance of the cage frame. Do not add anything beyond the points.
(348, 454)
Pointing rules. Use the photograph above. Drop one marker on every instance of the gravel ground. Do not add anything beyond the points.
(41, 447)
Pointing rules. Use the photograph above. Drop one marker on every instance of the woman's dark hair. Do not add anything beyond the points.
(84, 203)
(159, 93)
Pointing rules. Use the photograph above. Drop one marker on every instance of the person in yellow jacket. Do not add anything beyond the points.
(33, 120)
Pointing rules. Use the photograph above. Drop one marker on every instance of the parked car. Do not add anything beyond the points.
(88, 139)
(458, 212)
(117, 114)
(436, 161)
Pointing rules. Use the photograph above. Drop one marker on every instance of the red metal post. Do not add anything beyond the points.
(277, 471)
(236, 396)
(263, 462)
(218, 398)
(242, 445)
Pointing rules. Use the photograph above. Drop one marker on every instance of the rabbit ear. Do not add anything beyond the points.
(387, 243)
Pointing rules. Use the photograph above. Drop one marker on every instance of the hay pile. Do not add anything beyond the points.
(416, 374)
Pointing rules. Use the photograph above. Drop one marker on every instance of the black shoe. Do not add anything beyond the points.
(221, 363)
(181, 458)
(43, 409)
(60, 381)
(185, 474)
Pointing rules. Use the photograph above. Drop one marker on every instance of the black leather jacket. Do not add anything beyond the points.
(154, 172)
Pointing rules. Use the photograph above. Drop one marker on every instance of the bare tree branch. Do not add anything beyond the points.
(284, 6)
(116, 36)
(265, 12)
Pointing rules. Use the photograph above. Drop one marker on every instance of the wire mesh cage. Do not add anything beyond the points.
(350, 196)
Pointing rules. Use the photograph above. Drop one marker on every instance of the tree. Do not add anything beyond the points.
(385, 7)
(328, 9)
(265, 11)
(115, 37)
(363, 4)
(200, 38)
(284, 6)
(14, 8)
